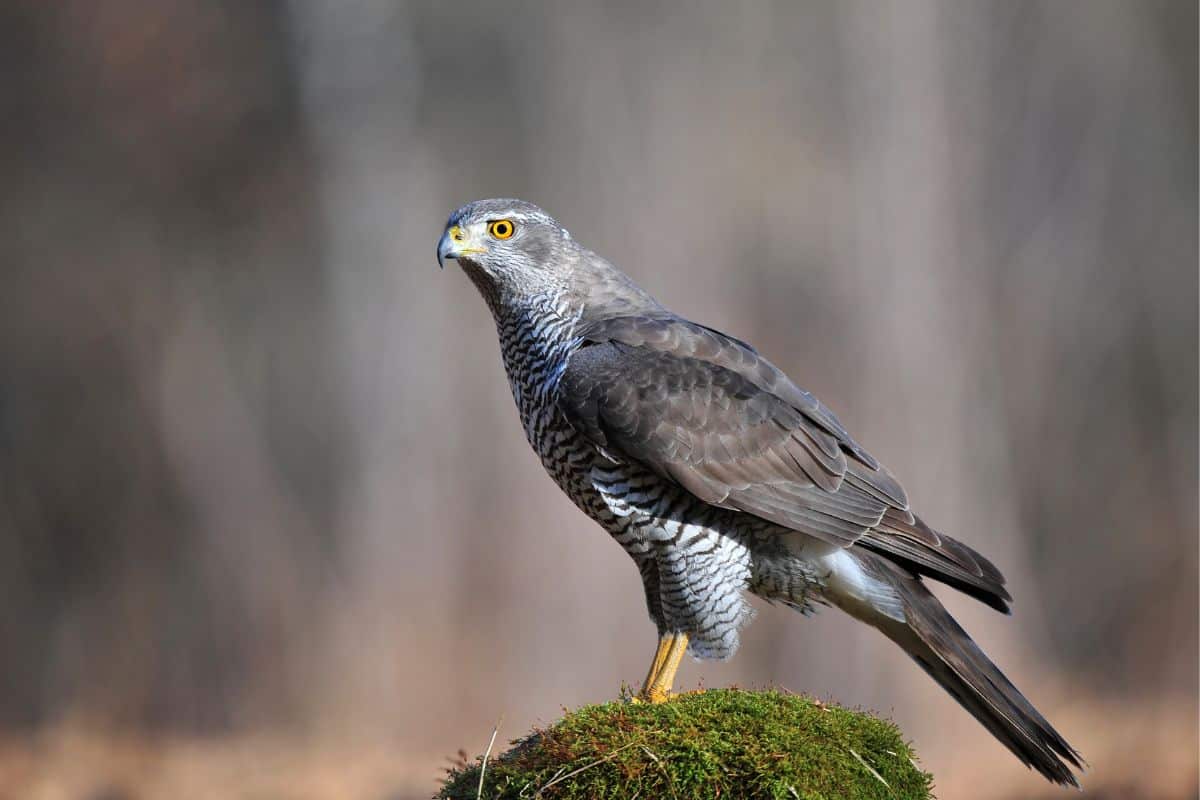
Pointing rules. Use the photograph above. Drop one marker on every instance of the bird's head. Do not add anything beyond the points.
(507, 247)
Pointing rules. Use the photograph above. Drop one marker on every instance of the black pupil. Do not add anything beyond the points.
(502, 228)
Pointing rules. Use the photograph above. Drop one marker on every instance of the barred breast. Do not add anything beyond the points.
(696, 560)
(534, 346)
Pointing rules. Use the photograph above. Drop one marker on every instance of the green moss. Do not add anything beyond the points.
(722, 743)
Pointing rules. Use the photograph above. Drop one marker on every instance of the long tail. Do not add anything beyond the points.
(915, 620)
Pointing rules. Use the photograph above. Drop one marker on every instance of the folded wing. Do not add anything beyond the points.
(706, 411)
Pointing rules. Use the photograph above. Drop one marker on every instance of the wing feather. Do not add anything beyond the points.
(706, 411)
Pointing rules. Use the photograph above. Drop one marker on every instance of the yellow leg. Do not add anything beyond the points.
(666, 663)
(660, 657)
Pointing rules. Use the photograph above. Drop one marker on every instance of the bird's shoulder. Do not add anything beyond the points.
(656, 346)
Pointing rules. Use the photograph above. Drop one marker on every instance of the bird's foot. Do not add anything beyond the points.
(652, 697)
(657, 687)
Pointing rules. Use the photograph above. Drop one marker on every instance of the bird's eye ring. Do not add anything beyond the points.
(501, 228)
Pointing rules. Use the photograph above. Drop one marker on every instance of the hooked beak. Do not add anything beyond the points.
(454, 244)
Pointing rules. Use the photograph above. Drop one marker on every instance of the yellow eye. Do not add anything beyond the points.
(501, 228)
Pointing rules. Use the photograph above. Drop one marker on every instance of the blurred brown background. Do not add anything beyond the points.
(268, 523)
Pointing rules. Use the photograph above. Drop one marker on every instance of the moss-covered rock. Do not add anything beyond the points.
(722, 743)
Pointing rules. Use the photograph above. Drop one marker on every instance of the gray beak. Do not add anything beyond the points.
(445, 249)
(455, 243)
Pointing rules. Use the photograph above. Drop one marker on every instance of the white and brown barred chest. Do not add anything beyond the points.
(534, 346)
(695, 559)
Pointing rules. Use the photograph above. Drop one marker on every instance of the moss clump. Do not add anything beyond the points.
(722, 743)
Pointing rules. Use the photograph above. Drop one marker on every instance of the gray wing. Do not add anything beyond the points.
(706, 411)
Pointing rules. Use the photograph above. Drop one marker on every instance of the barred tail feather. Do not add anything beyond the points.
(933, 639)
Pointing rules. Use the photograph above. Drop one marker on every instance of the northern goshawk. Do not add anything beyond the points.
(718, 475)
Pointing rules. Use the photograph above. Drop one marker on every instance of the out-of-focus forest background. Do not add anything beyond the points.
(268, 524)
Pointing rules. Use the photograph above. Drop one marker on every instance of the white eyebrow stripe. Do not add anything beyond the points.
(522, 217)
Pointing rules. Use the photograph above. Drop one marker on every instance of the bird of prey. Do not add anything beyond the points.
(718, 475)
